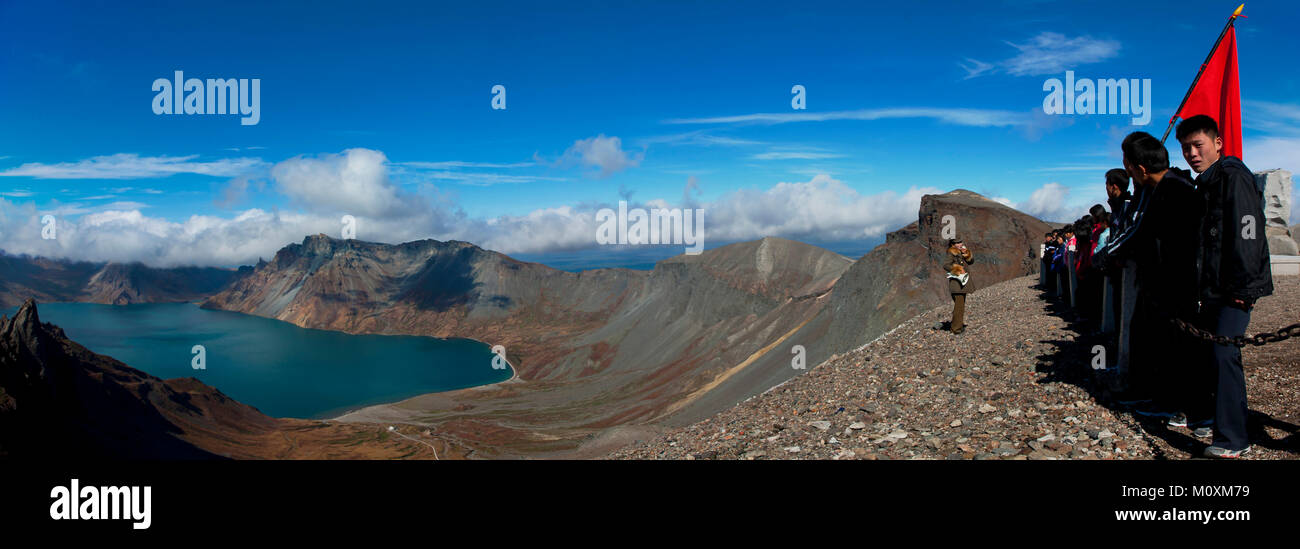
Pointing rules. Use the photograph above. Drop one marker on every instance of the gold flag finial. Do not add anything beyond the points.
(1238, 12)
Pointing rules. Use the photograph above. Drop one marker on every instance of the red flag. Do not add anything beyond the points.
(1218, 93)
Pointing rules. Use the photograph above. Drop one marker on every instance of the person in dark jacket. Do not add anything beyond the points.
(1163, 243)
(1045, 261)
(958, 258)
(1118, 197)
(1234, 271)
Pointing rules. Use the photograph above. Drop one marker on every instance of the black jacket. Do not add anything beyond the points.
(1119, 206)
(1232, 266)
(1165, 244)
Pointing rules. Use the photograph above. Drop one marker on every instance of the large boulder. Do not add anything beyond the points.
(1277, 211)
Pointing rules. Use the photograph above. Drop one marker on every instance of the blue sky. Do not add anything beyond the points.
(383, 110)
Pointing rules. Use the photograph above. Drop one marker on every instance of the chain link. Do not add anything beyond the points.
(1282, 334)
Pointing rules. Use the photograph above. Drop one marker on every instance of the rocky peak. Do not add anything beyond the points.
(23, 332)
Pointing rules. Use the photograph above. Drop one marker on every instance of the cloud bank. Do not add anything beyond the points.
(359, 182)
(133, 166)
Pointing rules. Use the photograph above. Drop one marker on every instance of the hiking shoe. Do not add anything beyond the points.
(1205, 432)
(1177, 420)
(1220, 452)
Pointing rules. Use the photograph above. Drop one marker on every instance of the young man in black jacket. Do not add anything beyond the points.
(1118, 197)
(1162, 241)
(1234, 270)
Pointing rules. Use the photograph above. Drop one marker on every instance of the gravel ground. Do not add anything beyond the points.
(1015, 385)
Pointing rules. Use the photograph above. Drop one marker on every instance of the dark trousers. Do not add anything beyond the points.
(1164, 363)
(1225, 362)
(1142, 334)
(958, 312)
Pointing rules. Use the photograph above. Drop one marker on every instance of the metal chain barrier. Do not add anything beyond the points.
(1282, 334)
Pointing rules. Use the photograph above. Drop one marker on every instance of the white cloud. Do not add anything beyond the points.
(1274, 118)
(975, 67)
(606, 154)
(483, 179)
(469, 173)
(1051, 52)
(354, 182)
(1273, 152)
(822, 208)
(1047, 53)
(795, 155)
(1052, 203)
(699, 138)
(358, 182)
(960, 117)
(458, 164)
(133, 166)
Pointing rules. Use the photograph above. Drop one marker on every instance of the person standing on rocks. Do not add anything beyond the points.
(1234, 272)
(959, 257)
(1163, 243)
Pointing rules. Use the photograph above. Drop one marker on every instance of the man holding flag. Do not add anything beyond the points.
(1233, 259)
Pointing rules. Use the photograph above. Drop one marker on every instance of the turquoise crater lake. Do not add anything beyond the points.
(277, 367)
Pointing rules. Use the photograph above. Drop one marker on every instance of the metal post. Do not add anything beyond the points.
(1107, 306)
(1128, 302)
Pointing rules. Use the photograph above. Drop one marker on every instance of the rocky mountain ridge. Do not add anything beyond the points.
(52, 280)
(604, 354)
(603, 351)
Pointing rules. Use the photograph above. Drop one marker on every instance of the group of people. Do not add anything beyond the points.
(1197, 258)
(1081, 242)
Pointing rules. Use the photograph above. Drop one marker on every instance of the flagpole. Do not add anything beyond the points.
(1198, 73)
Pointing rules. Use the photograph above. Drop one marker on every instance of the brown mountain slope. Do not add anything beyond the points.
(1016, 385)
(897, 281)
(110, 283)
(607, 352)
(58, 401)
(591, 350)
